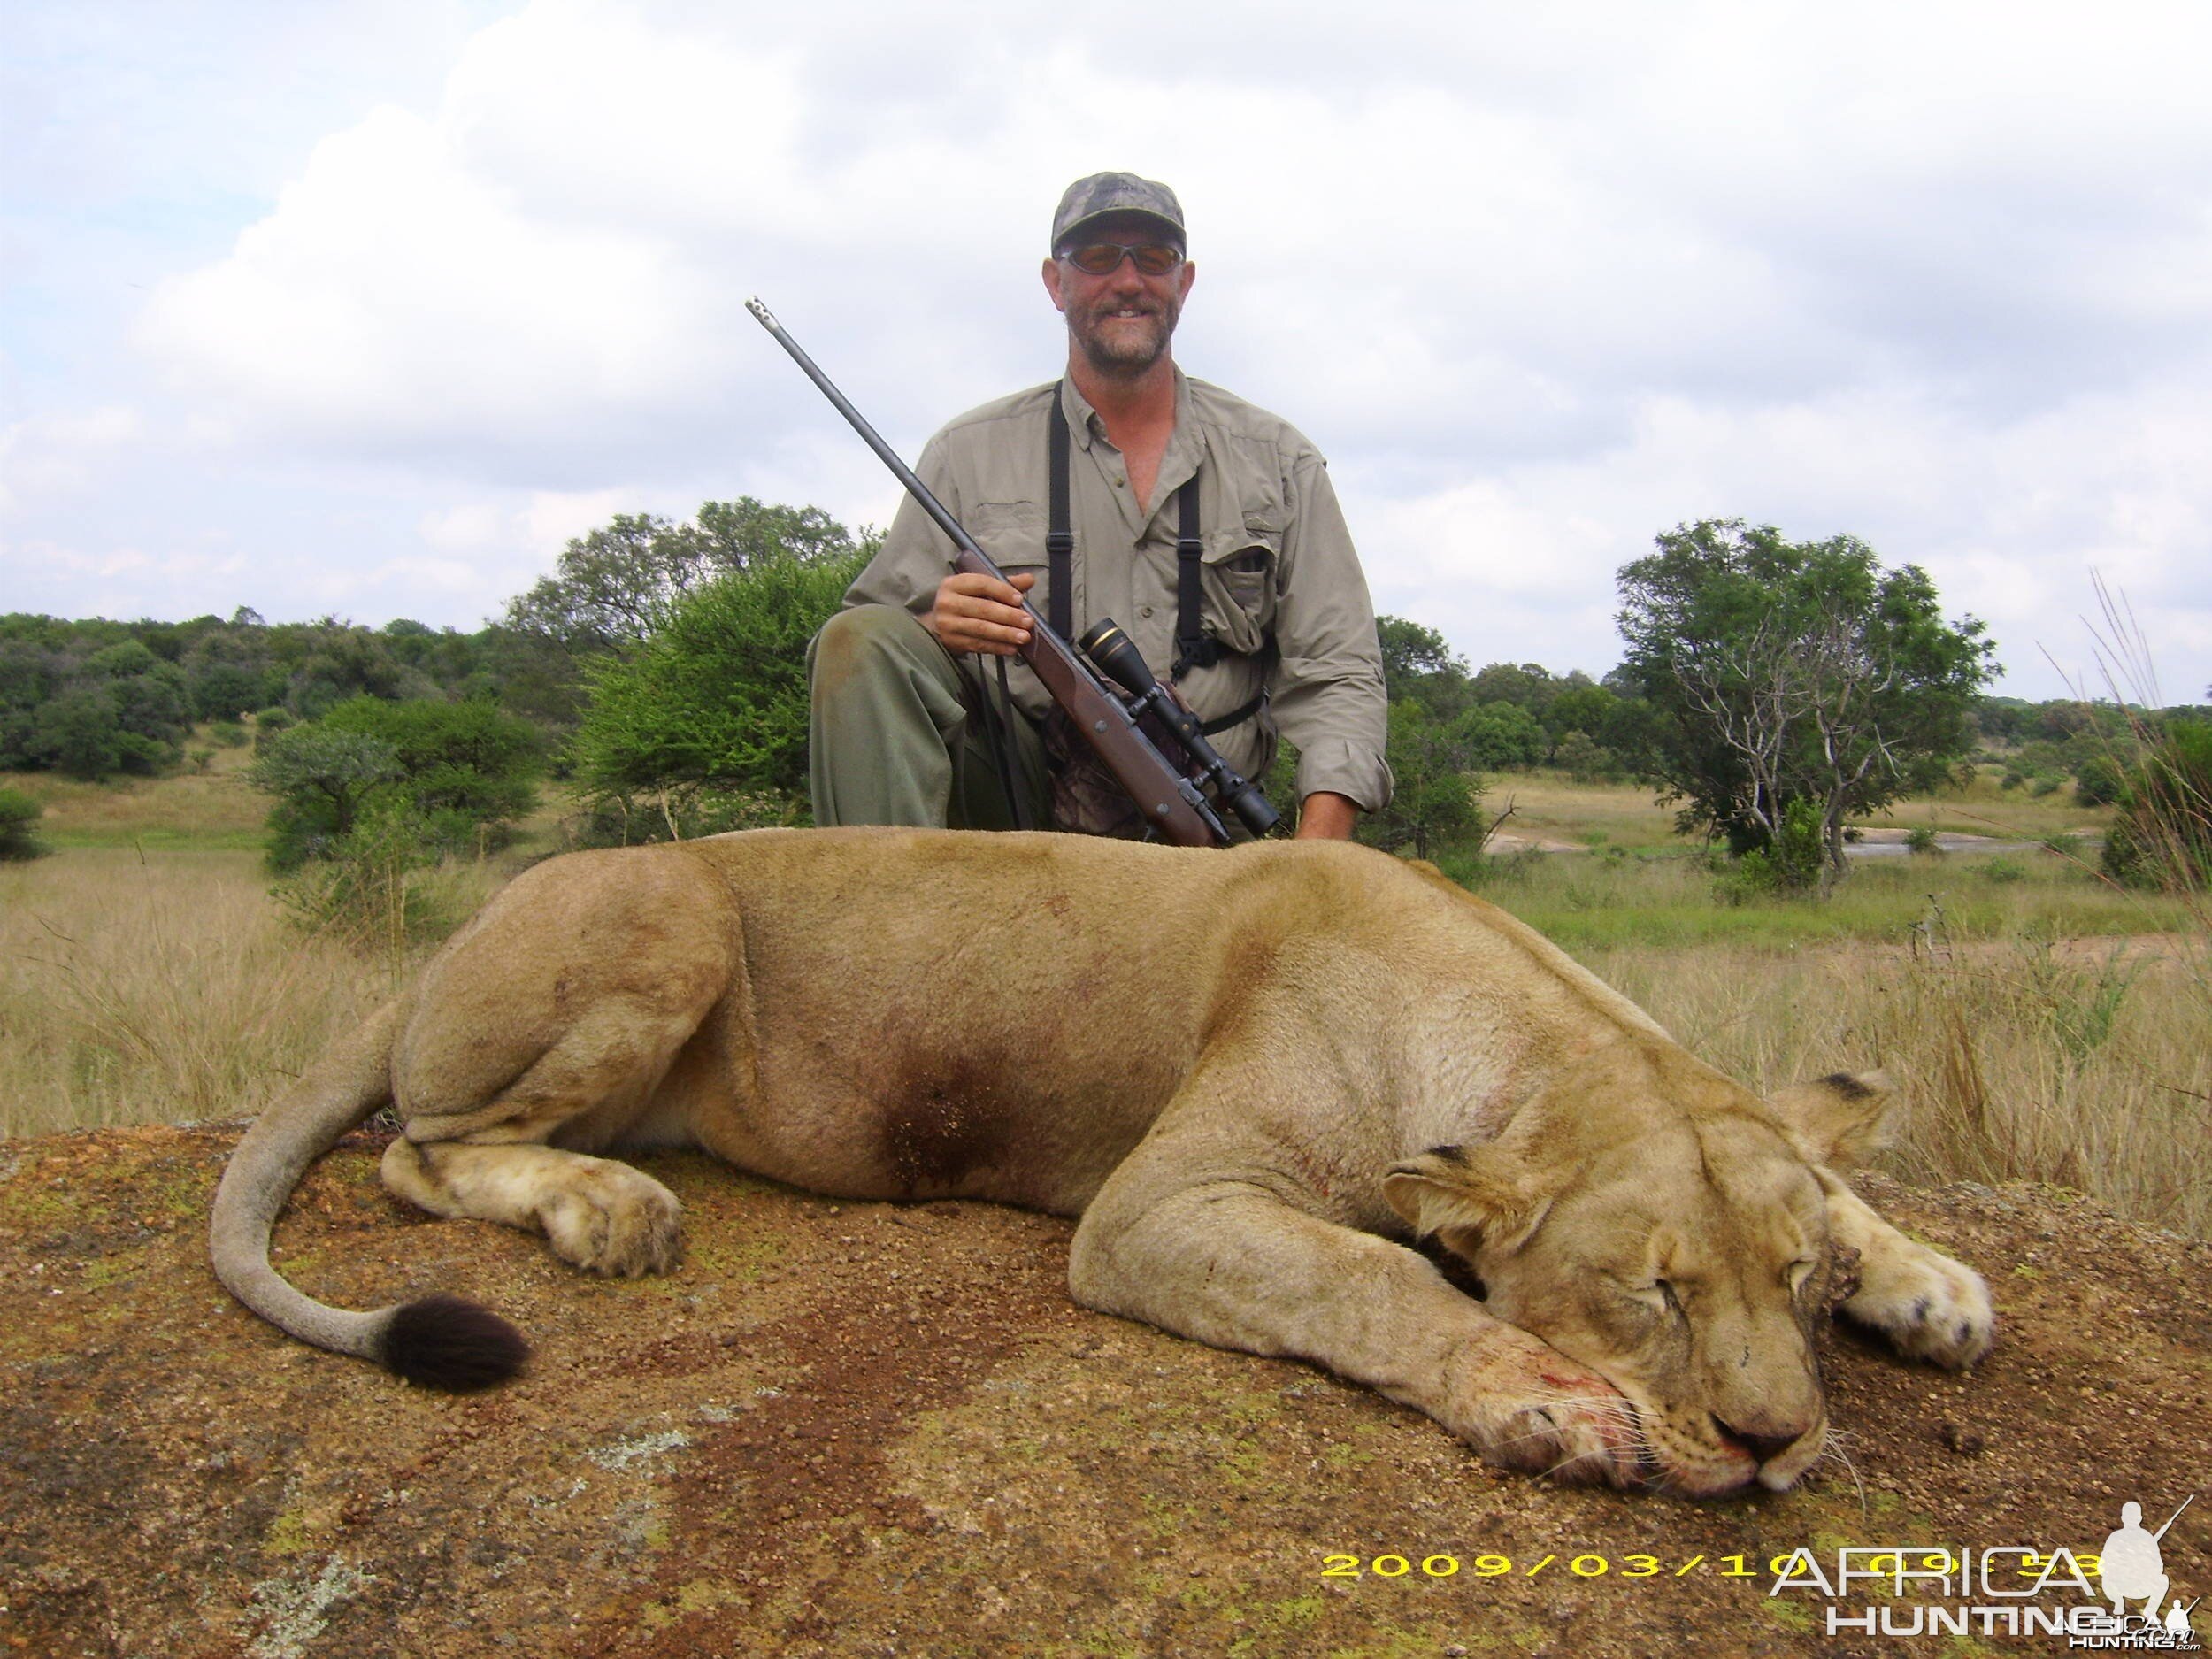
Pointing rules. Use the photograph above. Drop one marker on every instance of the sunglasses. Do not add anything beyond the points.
(1102, 258)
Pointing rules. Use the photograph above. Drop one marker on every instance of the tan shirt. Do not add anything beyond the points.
(1279, 567)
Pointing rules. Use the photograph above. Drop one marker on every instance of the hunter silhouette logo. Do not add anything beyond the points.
(2009, 1590)
(2133, 1568)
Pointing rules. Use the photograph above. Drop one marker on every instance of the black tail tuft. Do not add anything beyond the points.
(445, 1342)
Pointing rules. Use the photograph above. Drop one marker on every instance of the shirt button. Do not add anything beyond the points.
(1144, 610)
(1119, 479)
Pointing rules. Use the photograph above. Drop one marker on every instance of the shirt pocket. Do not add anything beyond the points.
(1013, 533)
(1240, 584)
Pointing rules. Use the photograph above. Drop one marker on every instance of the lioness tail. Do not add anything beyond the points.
(440, 1342)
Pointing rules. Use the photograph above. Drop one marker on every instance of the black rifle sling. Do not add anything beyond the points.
(1193, 648)
(1059, 538)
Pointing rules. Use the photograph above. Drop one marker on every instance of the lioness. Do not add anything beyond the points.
(1255, 1075)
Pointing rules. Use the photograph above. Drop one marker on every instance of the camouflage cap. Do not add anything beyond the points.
(1105, 193)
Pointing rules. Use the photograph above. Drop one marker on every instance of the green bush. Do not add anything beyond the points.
(2099, 782)
(19, 814)
(2004, 871)
(462, 773)
(1586, 760)
(368, 886)
(78, 733)
(715, 696)
(2162, 835)
(1790, 864)
(465, 768)
(1922, 839)
(323, 781)
(1437, 798)
(614, 820)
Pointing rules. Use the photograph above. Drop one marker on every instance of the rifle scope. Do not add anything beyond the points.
(1116, 656)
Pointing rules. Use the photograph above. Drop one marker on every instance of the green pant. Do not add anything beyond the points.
(896, 731)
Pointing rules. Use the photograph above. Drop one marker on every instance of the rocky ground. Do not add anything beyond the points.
(871, 1429)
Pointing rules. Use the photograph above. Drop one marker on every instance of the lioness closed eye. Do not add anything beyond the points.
(1257, 1076)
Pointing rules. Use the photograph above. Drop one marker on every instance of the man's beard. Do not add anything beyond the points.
(1126, 351)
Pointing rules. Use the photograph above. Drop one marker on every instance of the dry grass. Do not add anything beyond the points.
(1550, 806)
(199, 809)
(163, 988)
(1983, 807)
(2081, 1063)
(142, 981)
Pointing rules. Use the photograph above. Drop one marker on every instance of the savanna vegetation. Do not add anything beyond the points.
(1859, 857)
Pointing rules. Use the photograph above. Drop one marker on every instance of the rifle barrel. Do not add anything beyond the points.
(2176, 1516)
(889, 457)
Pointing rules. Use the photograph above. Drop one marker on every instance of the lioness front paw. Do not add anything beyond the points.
(1929, 1306)
(1525, 1405)
(608, 1219)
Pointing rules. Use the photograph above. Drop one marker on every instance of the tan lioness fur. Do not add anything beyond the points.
(1258, 1077)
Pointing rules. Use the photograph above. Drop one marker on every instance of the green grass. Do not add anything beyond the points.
(1601, 900)
(209, 810)
(1551, 806)
(1983, 808)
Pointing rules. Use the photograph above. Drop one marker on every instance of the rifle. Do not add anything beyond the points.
(1172, 803)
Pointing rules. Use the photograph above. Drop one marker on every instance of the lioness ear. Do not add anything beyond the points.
(1468, 1196)
(1837, 1120)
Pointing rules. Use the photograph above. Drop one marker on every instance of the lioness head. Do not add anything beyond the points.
(1663, 1227)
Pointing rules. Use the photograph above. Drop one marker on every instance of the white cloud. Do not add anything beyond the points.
(57, 456)
(537, 526)
(1541, 281)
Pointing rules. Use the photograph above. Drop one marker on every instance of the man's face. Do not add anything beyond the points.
(1121, 321)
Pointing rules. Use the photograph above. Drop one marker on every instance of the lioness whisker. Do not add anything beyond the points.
(1832, 1450)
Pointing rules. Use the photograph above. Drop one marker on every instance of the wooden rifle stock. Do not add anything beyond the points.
(1169, 800)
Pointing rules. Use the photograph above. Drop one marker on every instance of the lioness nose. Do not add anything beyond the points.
(1761, 1447)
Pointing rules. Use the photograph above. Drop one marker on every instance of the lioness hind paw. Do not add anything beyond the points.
(620, 1227)
(1931, 1309)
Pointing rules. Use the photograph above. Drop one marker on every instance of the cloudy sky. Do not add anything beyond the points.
(367, 308)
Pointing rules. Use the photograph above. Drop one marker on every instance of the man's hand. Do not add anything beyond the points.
(1323, 817)
(974, 613)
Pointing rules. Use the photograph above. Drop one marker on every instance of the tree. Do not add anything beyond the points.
(1437, 794)
(1778, 672)
(321, 779)
(20, 815)
(460, 767)
(1580, 706)
(714, 693)
(1500, 736)
(613, 586)
(338, 661)
(455, 772)
(1417, 662)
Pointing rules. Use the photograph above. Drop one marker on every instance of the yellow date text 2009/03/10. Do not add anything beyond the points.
(1584, 1566)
